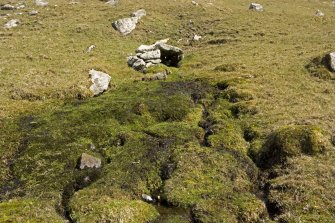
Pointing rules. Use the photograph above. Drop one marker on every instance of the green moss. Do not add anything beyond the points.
(229, 136)
(103, 209)
(229, 67)
(290, 141)
(303, 190)
(29, 210)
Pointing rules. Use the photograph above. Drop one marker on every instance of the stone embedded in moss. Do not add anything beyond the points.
(290, 141)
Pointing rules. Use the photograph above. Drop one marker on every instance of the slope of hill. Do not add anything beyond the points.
(241, 131)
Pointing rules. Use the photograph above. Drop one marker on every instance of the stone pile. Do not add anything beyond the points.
(159, 52)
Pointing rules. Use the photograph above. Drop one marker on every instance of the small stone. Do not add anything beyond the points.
(90, 48)
(331, 61)
(157, 61)
(196, 37)
(7, 7)
(256, 7)
(12, 23)
(112, 2)
(34, 12)
(88, 161)
(147, 198)
(195, 3)
(41, 3)
(20, 7)
(151, 55)
(318, 13)
(125, 26)
(100, 82)
(139, 13)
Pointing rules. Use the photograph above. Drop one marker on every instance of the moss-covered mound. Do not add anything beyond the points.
(290, 141)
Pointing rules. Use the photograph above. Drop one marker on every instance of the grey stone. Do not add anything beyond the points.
(331, 61)
(256, 7)
(112, 2)
(7, 7)
(196, 37)
(100, 82)
(147, 198)
(146, 48)
(318, 13)
(139, 13)
(12, 23)
(157, 61)
(125, 26)
(41, 2)
(34, 12)
(88, 161)
(151, 55)
(139, 65)
(170, 55)
(90, 48)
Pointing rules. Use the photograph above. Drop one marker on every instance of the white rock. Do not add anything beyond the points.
(20, 7)
(34, 12)
(146, 48)
(147, 198)
(196, 37)
(318, 13)
(125, 26)
(256, 7)
(112, 2)
(100, 82)
(12, 23)
(41, 2)
(7, 7)
(332, 61)
(151, 55)
(162, 41)
(139, 13)
(90, 48)
(157, 61)
(195, 3)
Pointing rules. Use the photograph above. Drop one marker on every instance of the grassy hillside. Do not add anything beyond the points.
(249, 81)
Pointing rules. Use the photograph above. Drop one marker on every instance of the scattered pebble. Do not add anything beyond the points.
(90, 48)
(147, 198)
(318, 13)
(7, 7)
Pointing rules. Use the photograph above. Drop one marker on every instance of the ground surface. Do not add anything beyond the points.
(269, 159)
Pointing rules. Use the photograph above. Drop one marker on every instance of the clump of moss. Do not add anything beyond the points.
(223, 85)
(233, 94)
(208, 180)
(319, 67)
(106, 209)
(229, 67)
(29, 210)
(290, 141)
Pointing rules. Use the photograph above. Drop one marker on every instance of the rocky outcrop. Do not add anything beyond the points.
(127, 25)
(100, 82)
(88, 161)
(159, 52)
